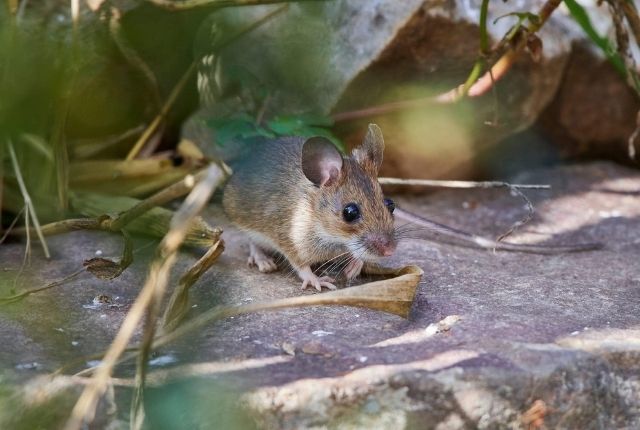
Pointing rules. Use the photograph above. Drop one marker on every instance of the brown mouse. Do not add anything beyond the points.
(303, 199)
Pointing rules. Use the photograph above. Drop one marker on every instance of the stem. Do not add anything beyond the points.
(30, 210)
(484, 36)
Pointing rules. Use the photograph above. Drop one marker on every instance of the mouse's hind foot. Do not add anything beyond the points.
(258, 258)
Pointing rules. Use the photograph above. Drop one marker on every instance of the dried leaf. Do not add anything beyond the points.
(178, 305)
(394, 295)
(104, 268)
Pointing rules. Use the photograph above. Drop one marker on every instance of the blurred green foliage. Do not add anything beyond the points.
(195, 403)
(243, 126)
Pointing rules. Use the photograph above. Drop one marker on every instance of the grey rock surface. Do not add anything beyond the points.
(494, 340)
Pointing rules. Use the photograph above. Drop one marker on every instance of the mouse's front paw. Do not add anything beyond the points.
(308, 278)
(354, 268)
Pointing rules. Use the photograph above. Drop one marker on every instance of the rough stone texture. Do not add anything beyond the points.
(559, 334)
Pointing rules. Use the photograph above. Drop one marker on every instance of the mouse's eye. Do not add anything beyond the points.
(390, 204)
(351, 212)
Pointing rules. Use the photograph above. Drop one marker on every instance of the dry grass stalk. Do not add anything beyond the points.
(30, 212)
(153, 289)
(178, 304)
(132, 178)
(137, 147)
(22, 295)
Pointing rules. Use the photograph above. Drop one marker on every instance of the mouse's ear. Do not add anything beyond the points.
(369, 153)
(321, 161)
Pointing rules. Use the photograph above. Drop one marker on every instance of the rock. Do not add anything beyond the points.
(344, 56)
(578, 121)
(494, 340)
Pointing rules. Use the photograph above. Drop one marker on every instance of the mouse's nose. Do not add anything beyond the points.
(383, 245)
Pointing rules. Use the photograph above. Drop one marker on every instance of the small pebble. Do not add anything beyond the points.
(163, 360)
(28, 366)
(321, 333)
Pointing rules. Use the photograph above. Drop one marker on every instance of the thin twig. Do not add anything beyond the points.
(459, 184)
(514, 188)
(30, 210)
(13, 224)
(528, 217)
(22, 295)
(65, 226)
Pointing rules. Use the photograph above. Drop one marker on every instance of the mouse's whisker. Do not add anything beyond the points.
(345, 256)
(331, 260)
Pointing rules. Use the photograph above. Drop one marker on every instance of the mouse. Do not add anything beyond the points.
(303, 199)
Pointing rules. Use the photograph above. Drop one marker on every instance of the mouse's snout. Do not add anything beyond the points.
(382, 244)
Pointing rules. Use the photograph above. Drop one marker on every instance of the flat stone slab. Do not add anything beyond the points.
(494, 339)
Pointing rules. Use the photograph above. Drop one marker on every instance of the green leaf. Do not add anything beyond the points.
(582, 18)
